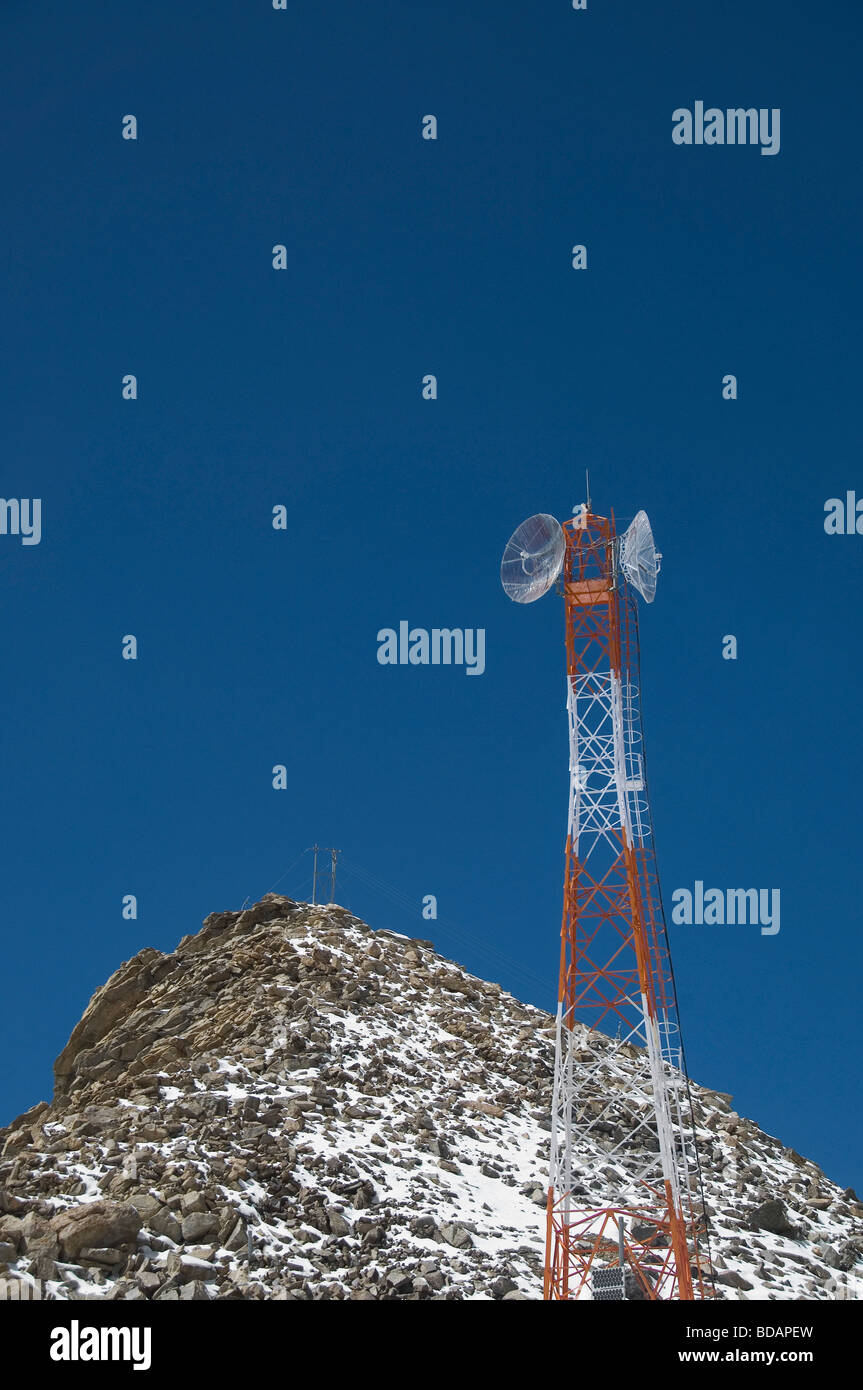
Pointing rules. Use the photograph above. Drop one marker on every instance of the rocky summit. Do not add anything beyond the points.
(294, 1106)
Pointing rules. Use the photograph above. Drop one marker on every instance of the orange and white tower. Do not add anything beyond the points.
(625, 1216)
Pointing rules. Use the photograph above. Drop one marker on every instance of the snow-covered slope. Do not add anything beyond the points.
(294, 1106)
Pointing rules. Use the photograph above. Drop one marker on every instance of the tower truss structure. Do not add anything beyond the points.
(624, 1185)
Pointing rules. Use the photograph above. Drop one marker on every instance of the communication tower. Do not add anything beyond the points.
(625, 1213)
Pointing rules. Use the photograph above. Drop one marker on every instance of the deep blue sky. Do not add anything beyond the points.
(302, 387)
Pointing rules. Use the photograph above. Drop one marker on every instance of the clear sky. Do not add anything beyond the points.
(302, 388)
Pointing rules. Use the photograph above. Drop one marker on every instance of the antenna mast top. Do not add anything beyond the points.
(334, 855)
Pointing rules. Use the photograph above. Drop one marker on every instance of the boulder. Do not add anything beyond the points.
(200, 1225)
(732, 1280)
(772, 1216)
(164, 1223)
(457, 1236)
(338, 1223)
(94, 1225)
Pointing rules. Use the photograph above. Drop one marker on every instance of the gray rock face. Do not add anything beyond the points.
(291, 1106)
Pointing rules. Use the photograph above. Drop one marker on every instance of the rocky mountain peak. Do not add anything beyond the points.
(291, 1105)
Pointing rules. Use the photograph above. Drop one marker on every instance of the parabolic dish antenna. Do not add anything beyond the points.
(533, 558)
(639, 558)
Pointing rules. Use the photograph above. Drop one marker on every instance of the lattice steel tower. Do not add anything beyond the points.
(625, 1216)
